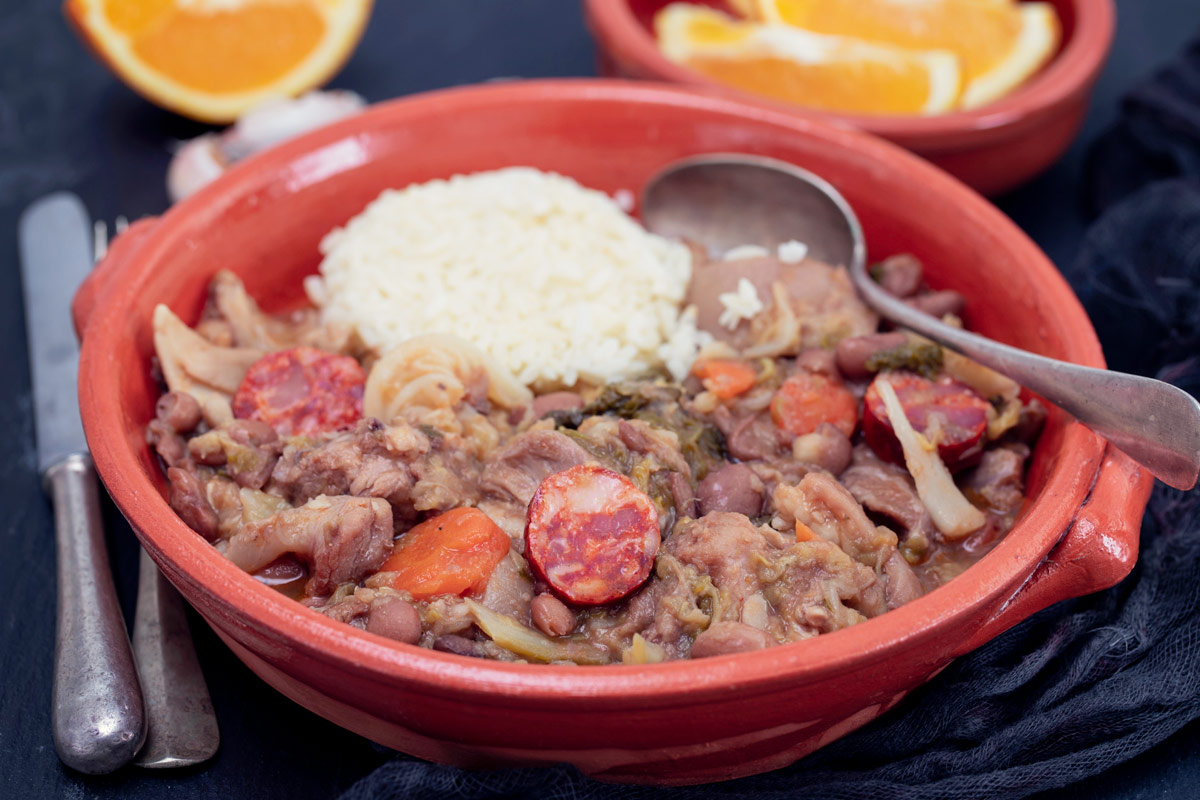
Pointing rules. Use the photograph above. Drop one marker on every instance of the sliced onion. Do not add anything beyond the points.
(528, 643)
(950, 511)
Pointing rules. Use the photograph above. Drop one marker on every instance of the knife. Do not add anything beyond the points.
(98, 717)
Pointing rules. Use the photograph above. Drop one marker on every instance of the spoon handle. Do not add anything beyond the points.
(1154, 423)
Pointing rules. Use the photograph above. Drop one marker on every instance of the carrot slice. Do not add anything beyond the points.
(805, 533)
(725, 378)
(806, 400)
(452, 553)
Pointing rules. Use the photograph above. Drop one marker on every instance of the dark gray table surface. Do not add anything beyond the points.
(66, 123)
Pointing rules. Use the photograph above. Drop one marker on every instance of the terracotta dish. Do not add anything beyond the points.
(673, 723)
(993, 149)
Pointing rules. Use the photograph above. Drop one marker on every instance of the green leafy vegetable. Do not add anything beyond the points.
(923, 358)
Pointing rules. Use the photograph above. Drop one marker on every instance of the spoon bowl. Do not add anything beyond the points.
(723, 200)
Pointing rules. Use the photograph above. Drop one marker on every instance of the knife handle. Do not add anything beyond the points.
(98, 718)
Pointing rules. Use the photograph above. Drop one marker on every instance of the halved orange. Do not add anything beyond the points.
(214, 59)
(1001, 43)
(835, 73)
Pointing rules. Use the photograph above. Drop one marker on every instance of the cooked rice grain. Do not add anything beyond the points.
(551, 279)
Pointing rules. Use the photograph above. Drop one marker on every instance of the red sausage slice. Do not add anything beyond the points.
(591, 534)
(302, 391)
(952, 412)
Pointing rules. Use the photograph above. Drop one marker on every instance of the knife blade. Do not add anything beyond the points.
(56, 255)
(98, 718)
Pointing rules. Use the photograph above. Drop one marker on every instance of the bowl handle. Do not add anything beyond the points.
(1097, 551)
(119, 251)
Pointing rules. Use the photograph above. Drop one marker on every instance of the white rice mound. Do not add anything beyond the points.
(549, 278)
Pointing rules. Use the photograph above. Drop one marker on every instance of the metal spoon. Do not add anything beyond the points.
(724, 200)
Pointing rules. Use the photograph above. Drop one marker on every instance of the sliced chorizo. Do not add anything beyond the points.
(945, 411)
(302, 391)
(591, 534)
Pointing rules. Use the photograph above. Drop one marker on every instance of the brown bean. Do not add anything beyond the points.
(555, 401)
(939, 304)
(551, 615)
(852, 353)
(395, 618)
(252, 432)
(252, 467)
(460, 645)
(179, 410)
(899, 275)
(207, 449)
(826, 447)
(187, 499)
(733, 487)
(753, 438)
(818, 360)
(722, 638)
(169, 445)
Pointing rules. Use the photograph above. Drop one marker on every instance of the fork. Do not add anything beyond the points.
(182, 725)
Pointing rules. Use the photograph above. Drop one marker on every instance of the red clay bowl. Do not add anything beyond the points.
(993, 149)
(682, 722)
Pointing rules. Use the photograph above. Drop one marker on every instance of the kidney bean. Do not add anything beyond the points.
(179, 410)
(852, 353)
(460, 645)
(722, 638)
(826, 447)
(551, 616)
(169, 445)
(395, 618)
(186, 497)
(753, 438)
(252, 432)
(939, 304)
(899, 275)
(818, 360)
(733, 487)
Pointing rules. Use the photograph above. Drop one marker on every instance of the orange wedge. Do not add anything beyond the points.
(1001, 43)
(835, 73)
(211, 60)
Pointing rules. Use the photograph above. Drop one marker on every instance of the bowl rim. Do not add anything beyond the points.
(1069, 74)
(373, 658)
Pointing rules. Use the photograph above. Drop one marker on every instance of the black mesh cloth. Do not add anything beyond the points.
(1085, 684)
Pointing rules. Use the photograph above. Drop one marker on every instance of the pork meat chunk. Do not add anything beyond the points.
(888, 491)
(371, 460)
(829, 510)
(516, 470)
(340, 539)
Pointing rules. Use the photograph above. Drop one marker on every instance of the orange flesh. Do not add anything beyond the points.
(133, 18)
(858, 87)
(223, 51)
(981, 33)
